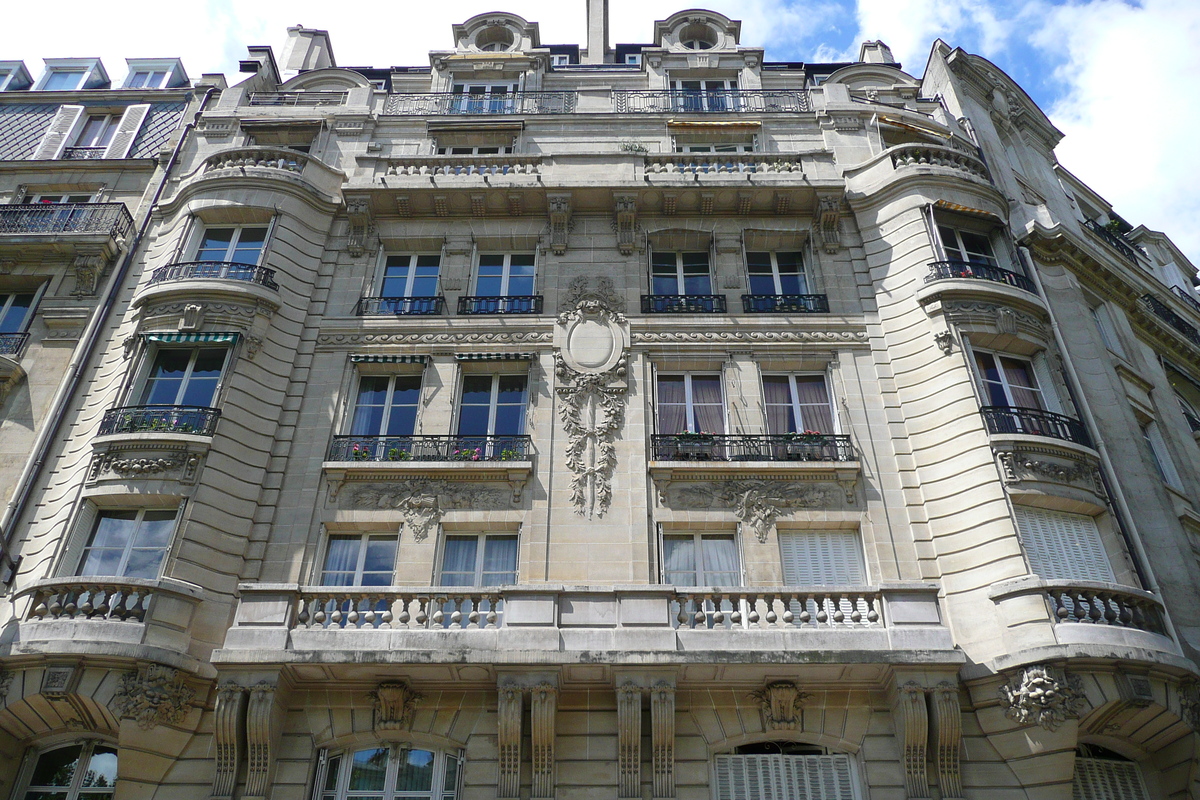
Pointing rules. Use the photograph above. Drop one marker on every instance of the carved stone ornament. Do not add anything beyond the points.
(590, 368)
(629, 740)
(227, 738)
(395, 702)
(559, 211)
(1043, 695)
(506, 338)
(829, 223)
(756, 503)
(153, 695)
(509, 703)
(912, 723)
(1189, 704)
(945, 341)
(543, 703)
(6, 679)
(625, 222)
(750, 337)
(1017, 466)
(780, 703)
(422, 502)
(181, 465)
(359, 227)
(88, 269)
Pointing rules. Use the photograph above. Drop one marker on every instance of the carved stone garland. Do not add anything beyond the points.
(424, 501)
(1043, 695)
(591, 369)
(153, 695)
(756, 503)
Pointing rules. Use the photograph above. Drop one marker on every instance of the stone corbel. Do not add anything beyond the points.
(260, 739)
(945, 341)
(88, 269)
(829, 215)
(670, 204)
(629, 740)
(625, 219)
(559, 211)
(192, 317)
(662, 734)
(542, 707)
(510, 701)
(516, 204)
(947, 738)
(479, 205)
(912, 728)
(227, 736)
(395, 702)
(359, 225)
(780, 703)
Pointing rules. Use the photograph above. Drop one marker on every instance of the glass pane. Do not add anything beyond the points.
(341, 560)
(403, 417)
(12, 318)
(368, 410)
(250, 245)
(63, 80)
(458, 562)
(214, 246)
(473, 421)
(791, 274)
(816, 413)
(101, 562)
(992, 383)
(490, 281)
(781, 417)
(720, 561)
(381, 555)
(155, 530)
(114, 529)
(57, 767)
(166, 376)
(450, 784)
(510, 420)
(331, 773)
(477, 389)
(144, 563)
(368, 770)
(101, 769)
(499, 560)
(425, 280)
(395, 276)
(672, 408)
(978, 248)
(679, 560)
(416, 771)
(695, 274)
(1021, 383)
(511, 389)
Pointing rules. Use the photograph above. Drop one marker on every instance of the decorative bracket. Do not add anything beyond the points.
(625, 219)
(395, 702)
(559, 210)
(780, 703)
(358, 213)
(829, 215)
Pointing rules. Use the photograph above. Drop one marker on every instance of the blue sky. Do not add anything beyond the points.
(1117, 77)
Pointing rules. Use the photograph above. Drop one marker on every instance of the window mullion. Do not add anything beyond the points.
(690, 416)
(85, 758)
(493, 405)
(412, 276)
(187, 377)
(360, 563)
(479, 559)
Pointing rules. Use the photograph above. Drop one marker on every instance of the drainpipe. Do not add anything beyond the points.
(83, 354)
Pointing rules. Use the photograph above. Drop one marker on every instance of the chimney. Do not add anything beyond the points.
(306, 48)
(875, 52)
(597, 32)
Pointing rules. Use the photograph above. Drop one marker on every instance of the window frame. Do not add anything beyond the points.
(690, 424)
(776, 275)
(505, 273)
(1160, 455)
(706, 96)
(201, 230)
(75, 791)
(141, 511)
(698, 537)
(109, 125)
(966, 256)
(466, 101)
(53, 72)
(413, 265)
(388, 405)
(794, 401)
(142, 384)
(493, 403)
(1005, 385)
(481, 538)
(364, 538)
(342, 791)
(680, 275)
(8, 297)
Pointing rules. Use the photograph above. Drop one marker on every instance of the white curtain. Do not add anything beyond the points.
(812, 395)
(672, 405)
(707, 403)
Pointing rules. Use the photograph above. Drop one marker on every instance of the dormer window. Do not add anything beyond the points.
(154, 73)
(71, 74)
(146, 79)
(494, 39)
(63, 80)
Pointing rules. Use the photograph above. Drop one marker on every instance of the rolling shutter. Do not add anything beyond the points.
(127, 128)
(781, 777)
(61, 128)
(1063, 547)
(1105, 779)
(822, 558)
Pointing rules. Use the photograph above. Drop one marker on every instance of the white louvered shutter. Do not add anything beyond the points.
(1163, 456)
(1045, 379)
(784, 777)
(1104, 779)
(62, 127)
(822, 558)
(127, 128)
(1063, 547)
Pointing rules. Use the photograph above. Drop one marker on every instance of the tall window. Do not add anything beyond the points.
(776, 273)
(822, 558)
(386, 405)
(1159, 454)
(796, 403)
(86, 771)
(360, 560)
(505, 275)
(128, 544)
(706, 95)
(492, 405)
(679, 273)
(484, 98)
(390, 773)
(964, 245)
(481, 560)
(184, 376)
(690, 403)
(700, 559)
(15, 308)
(410, 276)
(238, 244)
(1008, 381)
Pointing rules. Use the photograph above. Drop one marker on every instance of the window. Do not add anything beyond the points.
(1104, 326)
(410, 284)
(386, 405)
(237, 245)
(484, 98)
(76, 132)
(706, 95)
(146, 79)
(299, 137)
(714, 147)
(1008, 381)
(776, 273)
(509, 275)
(492, 405)
(1161, 457)
(690, 403)
(15, 311)
(559, 60)
(965, 245)
(59, 199)
(679, 274)
(86, 771)
(1101, 774)
(767, 776)
(634, 59)
(360, 560)
(390, 773)
(700, 559)
(128, 544)
(480, 560)
(797, 403)
(474, 151)
(184, 376)
(822, 558)
(97, 131)
(1062, 546)
(63, 80)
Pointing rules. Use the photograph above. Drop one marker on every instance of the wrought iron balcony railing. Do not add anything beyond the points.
(752, 447)
(429, 448)
(725, 101)
(941, 270)
(1187, 297)
(82, 153)
(11, 344)
(218, 270)
(298, 98)
(442, 103)
(1035, 422)
(785, 304)
(683, 304)
(1167, 315)
(110, 219)
(196, 420)
(495, 304)
(1116, 240)
(401, 306)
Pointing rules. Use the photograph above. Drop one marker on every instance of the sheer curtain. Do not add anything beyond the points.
(778, 398)
(707, 404)
(720, 561)
(679, 560)
(1021, 383)
(672, 404)
(813, 397)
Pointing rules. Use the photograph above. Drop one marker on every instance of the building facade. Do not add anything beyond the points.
(652, 421)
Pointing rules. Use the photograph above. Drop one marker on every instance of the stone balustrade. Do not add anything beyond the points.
(723, 164)
(262, 157)
(765, 609)
(478, 165)
(908, 155)
(389, 607)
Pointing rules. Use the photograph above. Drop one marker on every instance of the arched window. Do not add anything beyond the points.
(1101, 774)
(390, 772)
(768, 770)
(86, 771)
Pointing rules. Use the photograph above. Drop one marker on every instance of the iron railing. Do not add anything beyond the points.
(785, 304)
(723, 101)
(429, 448)
(82, 153)
(1035, 422)
(406, 306)
(1167, 315)
(496, 304)
(683, 304)
(112, 219)
(1187, 297)
(442, 103)
(196, 420)
(941, 270)
(298, 98)
(1116, 240)
(752, 447)
(219, 270)
(11, 344)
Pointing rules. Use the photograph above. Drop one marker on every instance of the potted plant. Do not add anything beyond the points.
(806, 445)
(467, 454)
(361, 452)
(396, 454)
(694, 446)
(509, 454)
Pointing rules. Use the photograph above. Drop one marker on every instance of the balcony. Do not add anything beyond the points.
(305, 99)
(752, 447)
(272, 163)
(447, 103)
(469, 449)
(492, 304)
(683, 304)
(1114, 240)
(400, 306)
(74, 224)
(82, 153)
(215, 270)
(189, 420)
(716, 164)
(785, 304)
(945, 270)
(1004, 420)
(920, 162)
(913, 155)
(11, 344)
(1167, 315)
(1188, 298)
(727, 101)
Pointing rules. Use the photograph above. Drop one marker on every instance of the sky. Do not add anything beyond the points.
(1118, 78)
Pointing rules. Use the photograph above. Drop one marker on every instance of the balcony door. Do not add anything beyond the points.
(491, 414)
(410, 283)
(797, 403)
(690, 404)
(386, 405)
(14, 311)
(184, 376)
(484, 98)
(679, 274)
(1008, 381)
(776, 273)
(236, 245)
(706, 95)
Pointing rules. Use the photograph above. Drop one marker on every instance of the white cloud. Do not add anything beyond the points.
(910, 26)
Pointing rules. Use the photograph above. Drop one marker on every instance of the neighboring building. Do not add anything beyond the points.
(654, 422)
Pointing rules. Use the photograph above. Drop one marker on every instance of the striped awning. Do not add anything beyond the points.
(191, 338)
(979, 212)
(366, 358)
(495, 356)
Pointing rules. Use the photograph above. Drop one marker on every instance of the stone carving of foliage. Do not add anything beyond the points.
(423, 502)
(153, 695)
(1043, 695)
(757, 503)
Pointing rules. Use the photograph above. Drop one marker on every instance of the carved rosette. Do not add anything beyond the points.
(1043, 695)
(395, 702)
(422, 502)
(591, 368)
(756, 503)
(153, 695)
(780, 703)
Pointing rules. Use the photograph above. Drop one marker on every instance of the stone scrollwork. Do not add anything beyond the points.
(829, 223)
(1017, 466)
(153, 695)
(423, 502)
(395, 702)
(756, 503)
(559, 211)
(1043, 695)
(780, 702)
(591, 369)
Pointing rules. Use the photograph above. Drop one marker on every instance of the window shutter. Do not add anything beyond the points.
(131, 122)
(1163, 455)
(61, 128)
(784, 777)
(1104, 779)
(1063, 546)
(1045, 379)
(822, 558)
